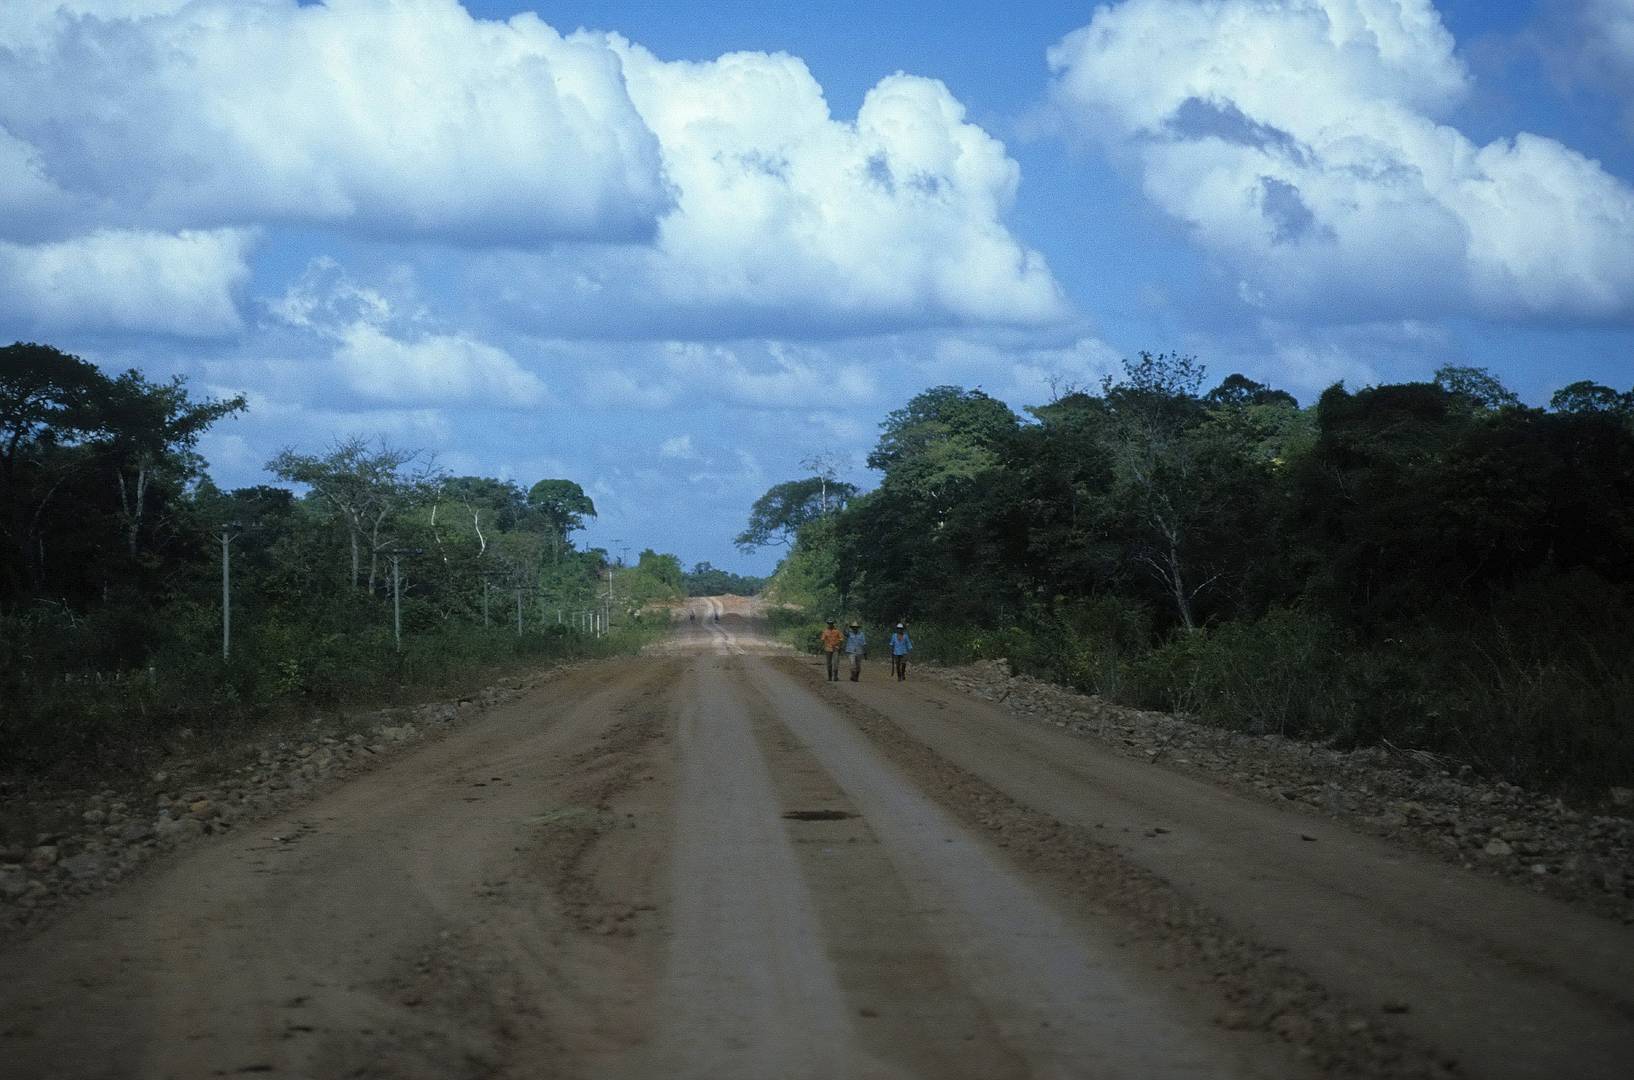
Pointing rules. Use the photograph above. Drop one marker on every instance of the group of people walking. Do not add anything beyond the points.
(854, 643)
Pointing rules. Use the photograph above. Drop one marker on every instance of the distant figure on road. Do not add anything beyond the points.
(856, 647)
(901, 646)
(831, 640)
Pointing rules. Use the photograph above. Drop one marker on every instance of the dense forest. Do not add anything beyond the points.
(373, 574)
(1433, 565)
(706, 580)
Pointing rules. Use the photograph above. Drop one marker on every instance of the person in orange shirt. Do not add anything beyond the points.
(831, 640)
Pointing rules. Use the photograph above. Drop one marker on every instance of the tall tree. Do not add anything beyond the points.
(1239, 390)
(151, 429)
(778, 515)
(561, 506)
(1159, 469)
(363, 484)
(1586, 396)
(936, 449)
(1475, 387)
(62, 420)
(483, 504)
(970, 417)
(48, 401)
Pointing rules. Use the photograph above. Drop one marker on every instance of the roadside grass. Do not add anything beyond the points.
(83, 721)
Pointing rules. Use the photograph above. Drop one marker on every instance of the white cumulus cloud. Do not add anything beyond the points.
(778, 202)
(777, 376)
(389, 350)
(1303, 143)
(397, 117)
(1023, 374)
(127, 281)
(732, 204)
(435, 370)
(790, 221)
(758, 376)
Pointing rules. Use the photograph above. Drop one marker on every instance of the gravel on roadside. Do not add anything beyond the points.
(63, 844)
(1416, 799)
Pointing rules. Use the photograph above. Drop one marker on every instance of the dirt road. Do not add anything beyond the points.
(709, 862)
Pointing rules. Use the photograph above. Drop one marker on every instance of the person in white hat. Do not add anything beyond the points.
(856, 646)
(901, 646)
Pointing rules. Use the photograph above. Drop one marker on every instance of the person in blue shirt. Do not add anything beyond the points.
(856, 645)
(901, 646)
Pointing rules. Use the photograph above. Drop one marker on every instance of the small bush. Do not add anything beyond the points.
(1284, 674)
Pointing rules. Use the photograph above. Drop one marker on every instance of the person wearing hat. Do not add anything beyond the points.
(901, 646)
(856, 645)
(831, 639)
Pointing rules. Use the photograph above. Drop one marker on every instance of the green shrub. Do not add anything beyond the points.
(62, 714)
(1536, 687)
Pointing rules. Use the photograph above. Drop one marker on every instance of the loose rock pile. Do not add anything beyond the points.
(1414, 798)
(95, 838)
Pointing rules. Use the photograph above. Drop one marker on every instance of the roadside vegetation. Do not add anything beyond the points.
(373, 578)
(1433, 565)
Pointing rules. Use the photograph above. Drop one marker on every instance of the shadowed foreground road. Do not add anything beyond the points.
(709, 862)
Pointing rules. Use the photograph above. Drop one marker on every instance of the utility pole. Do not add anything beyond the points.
(488, 579)
(396, 555)
(623, 559)
(229, 533)
(519, 611)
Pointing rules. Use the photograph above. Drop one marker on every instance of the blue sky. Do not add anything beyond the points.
(670, 250)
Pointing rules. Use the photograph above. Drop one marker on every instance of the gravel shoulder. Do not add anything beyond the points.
(60, 843)
(1584, 857)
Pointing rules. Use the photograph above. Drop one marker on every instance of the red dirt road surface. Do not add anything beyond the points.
(710, 862)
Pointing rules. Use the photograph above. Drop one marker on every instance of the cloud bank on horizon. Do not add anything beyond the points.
(508, 239)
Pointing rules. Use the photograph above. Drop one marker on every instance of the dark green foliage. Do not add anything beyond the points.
(1475, 388)
(562, 504)
(706, 580)
(1241, 391)
(1590, 397)
(93, 476)
(111, 573)
(89, 718)
(777, 516)
(1432, 564)
(941, 417)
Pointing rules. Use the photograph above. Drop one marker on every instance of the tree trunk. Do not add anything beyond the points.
(141, 505)
(131, 506)
(374, 548)
(1177, 581)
